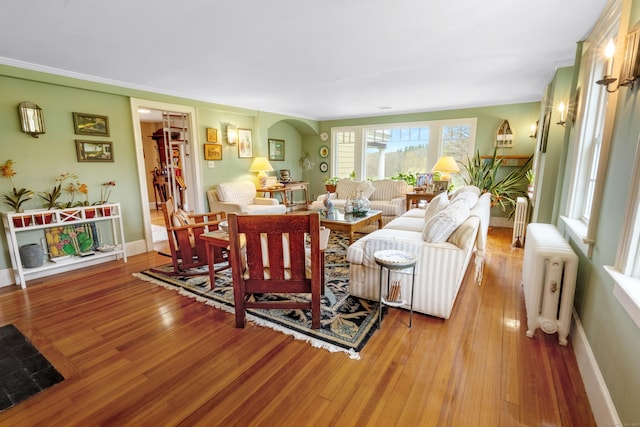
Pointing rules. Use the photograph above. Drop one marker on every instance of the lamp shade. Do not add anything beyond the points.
(446, 164)
(260, 164)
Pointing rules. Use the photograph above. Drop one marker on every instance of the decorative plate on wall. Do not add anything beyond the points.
(324, 136)
(324, 167)
(324, 151)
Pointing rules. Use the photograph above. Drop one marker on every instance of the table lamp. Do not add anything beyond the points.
(262, 166)
(446, 165)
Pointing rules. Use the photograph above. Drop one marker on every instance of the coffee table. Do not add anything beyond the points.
(349, 223)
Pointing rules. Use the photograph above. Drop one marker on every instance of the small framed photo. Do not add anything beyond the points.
(440, 186)
(90, 124)
(212, 135)
(94, 151)
(213, 151)
(245, 144)
(276, 149)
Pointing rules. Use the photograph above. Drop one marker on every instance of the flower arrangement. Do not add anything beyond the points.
(83, 189)
(105, 192)
(71, 188)
(16, 198)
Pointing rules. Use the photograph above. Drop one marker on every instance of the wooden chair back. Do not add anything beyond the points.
(183, 232)
(275, 258)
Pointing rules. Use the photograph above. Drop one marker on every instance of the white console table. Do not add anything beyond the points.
(105, 228)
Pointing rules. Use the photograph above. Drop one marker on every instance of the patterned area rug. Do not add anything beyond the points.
(347, 321)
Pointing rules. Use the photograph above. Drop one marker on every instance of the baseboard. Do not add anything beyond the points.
(604, 411)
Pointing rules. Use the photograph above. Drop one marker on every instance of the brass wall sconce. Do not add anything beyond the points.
(31, 119)
(630, 69)
(533, 130)
(562, 109)
(232, 134)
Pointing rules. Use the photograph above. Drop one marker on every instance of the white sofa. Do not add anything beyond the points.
(443, 236)
(241, 197)
(386, 195)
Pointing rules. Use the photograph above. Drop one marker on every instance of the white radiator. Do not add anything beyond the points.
(520, 220)
(549, 272)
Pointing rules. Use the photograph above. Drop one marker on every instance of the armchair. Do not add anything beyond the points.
(241, 197)
(275, 259)
(184, 230)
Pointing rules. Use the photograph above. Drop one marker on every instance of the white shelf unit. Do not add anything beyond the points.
(28, 227)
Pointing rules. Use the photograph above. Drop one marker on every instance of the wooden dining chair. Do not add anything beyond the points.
(275, 258)
(184, 230)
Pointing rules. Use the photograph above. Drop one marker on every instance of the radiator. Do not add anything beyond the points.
(520, 220)
(549, 272)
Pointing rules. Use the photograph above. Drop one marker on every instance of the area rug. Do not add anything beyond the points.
(24, 371)
(347, 321)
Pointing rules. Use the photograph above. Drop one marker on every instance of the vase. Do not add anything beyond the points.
(43, 218)
(360, 205)
(31, 255)
(22, 221)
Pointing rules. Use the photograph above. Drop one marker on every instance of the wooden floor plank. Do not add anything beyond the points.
(134, 353)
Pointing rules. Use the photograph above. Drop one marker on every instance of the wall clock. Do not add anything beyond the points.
(324, 151)
(324, 136)
(324, 167)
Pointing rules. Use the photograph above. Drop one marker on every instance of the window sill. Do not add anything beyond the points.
(577, 231)
(626, 289)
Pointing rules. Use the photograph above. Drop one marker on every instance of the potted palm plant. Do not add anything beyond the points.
(504, 188)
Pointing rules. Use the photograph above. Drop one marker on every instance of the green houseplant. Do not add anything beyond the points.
(504, 188)
(16, 197)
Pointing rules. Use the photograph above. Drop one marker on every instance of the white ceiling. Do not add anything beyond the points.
(308, 58)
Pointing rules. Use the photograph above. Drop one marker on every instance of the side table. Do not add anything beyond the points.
(395, 260)
(416, 197)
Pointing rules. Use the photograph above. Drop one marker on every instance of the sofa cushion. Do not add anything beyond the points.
(469, 198)
(347, 188)
(367, 189)
(436, 204)
(444, 223)
(464, 188)
(181, 218)
(237, 192)
(387, 189)
(405, 222)
(464, 236)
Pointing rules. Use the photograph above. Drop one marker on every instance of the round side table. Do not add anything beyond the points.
(395, 260)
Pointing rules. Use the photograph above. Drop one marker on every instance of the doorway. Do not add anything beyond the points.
(166, 143)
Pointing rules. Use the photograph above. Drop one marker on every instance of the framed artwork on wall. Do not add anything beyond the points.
(90, 124)
(213, 151)
(212, 135)
(276, 149)
(94, 151)
(245, 144)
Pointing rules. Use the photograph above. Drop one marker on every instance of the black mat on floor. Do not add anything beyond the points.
(23, 370)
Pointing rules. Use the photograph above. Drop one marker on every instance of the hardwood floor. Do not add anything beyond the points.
(137, 354)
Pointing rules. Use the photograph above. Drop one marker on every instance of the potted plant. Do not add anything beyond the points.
(105, 193)
(505, 190)
(16, 197)
(330, 183)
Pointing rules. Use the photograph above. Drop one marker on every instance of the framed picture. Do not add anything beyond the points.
(212, 135)
(245, 144)
(90, 124)
(440, 186)
(546, 121)
(213, 151)
(94, 151)
(276, 149)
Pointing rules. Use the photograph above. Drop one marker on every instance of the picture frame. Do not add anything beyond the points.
(276, 150)
(213, 151)
(212, 135)
(544, 136)
(245, 144)
(440, 186)
(90, 124)
(94, 151)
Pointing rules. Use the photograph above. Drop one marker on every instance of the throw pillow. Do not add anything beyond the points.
(464, 188)
(347, 188)
(437, 204)
(469, 198)
(445, 222)
(366, 188)
(181, 218)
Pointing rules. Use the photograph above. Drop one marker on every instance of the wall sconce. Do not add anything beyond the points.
(504, 135)
(232, 135)
(533, 130)
(630, 69)
(562, 109)
(31, 118)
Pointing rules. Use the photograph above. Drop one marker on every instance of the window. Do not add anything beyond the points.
(377, 152)
(593, 134)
